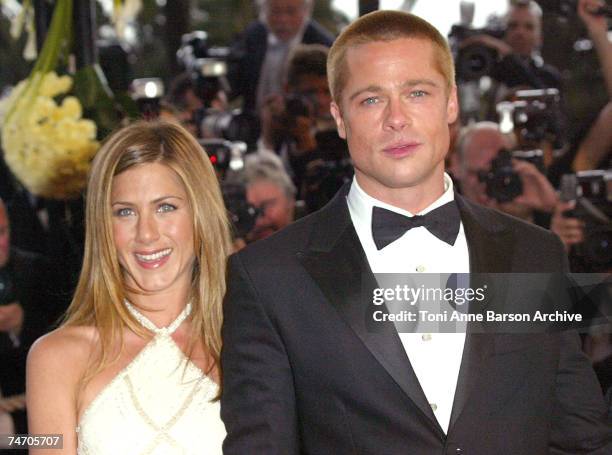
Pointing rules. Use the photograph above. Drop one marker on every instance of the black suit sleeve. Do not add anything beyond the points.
(579, 419)
(258, 399)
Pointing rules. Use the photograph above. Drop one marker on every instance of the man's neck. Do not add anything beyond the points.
(413, 199)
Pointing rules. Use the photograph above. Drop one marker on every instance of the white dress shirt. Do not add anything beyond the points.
(274, 67)
(435, 357)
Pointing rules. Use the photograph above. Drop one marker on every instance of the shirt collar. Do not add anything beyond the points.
(361, 203)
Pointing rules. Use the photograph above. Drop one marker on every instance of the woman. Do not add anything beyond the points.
(134, 369)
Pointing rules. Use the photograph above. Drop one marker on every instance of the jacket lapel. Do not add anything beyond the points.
(490, 250)
(336, 261)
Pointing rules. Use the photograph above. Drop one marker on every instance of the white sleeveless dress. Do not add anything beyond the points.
(158, 404)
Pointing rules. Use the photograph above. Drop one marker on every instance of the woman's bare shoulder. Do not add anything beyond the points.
(68, 347)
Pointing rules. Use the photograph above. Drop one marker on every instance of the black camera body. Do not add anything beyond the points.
(233, 125)
(474, 61)
(502, 182)
(242, 214)
(536, 116)
(592, 191)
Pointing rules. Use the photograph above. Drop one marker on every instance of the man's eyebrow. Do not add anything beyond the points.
(408, 83)
(369, 88)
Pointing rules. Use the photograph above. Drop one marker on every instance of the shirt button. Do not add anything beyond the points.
(434, 407)
(420, 268)
(426, 337)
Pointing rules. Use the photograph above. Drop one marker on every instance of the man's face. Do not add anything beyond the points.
(316, 89)
(480, 149)
(394, 113)
(276, 208)
(523, 32)
(285, 17)
(5, 238)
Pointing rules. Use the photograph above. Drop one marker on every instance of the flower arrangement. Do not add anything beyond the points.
(47, 144)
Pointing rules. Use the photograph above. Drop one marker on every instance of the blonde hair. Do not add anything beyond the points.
(101, 290)
(385, 26)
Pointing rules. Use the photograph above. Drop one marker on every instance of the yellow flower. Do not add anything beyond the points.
(48, 147)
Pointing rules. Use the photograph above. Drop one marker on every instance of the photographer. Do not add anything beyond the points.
(594, 150)
(479, 147)
(30, 303)
(269, 189)
(263, 49)
(496, 61)
(519, 62)
(300, 128)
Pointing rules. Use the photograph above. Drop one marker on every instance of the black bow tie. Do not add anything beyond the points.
(388, 226)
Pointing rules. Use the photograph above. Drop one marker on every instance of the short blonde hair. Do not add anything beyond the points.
(101, 289)
(385, 26)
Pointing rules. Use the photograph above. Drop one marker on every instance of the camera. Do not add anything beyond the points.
(476, 60)
(233, 125)
(208, 67)
(592, 191)
(242, 214)
(502, 182)
(535, 115)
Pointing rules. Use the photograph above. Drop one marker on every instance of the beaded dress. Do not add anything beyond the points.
(158, 404)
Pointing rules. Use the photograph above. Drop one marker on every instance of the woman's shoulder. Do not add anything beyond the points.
(67, 348)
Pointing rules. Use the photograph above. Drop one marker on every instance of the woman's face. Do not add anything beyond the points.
(153, 229)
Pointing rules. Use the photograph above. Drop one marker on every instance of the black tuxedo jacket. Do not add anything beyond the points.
(250, 51)
(303, 375)
(40, 291)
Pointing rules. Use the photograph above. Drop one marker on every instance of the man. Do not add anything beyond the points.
(265, 46)
(519, 51)
(30, 302)
(304, 373)
(479, 145)
(269, 189)
(302, 130)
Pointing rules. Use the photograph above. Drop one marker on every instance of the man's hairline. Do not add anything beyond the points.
(435, 47)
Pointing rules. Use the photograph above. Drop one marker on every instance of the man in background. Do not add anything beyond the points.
(265, 46)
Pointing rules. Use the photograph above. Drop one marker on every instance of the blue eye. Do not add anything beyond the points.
(370, 101)
(163, 208)
(418, 93)
(122, 212)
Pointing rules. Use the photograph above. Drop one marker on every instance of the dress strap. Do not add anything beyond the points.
(147, 324)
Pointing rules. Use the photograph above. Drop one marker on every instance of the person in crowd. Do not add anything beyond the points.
(301, 129)
(30, 303)
(478, 146)
(270, 190)
(264, 47)
(520, 63)
(594, 150)
(135, 366)
(305, 369)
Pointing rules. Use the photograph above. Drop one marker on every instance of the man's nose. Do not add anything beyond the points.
(396, 116)
(147, 229)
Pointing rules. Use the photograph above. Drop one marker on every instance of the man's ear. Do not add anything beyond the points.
(452, 106)
(337, 115)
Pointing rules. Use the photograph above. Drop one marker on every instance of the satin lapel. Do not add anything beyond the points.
(490, 250)
(337, 263)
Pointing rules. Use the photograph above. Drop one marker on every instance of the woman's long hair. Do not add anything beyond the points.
(101, 290)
